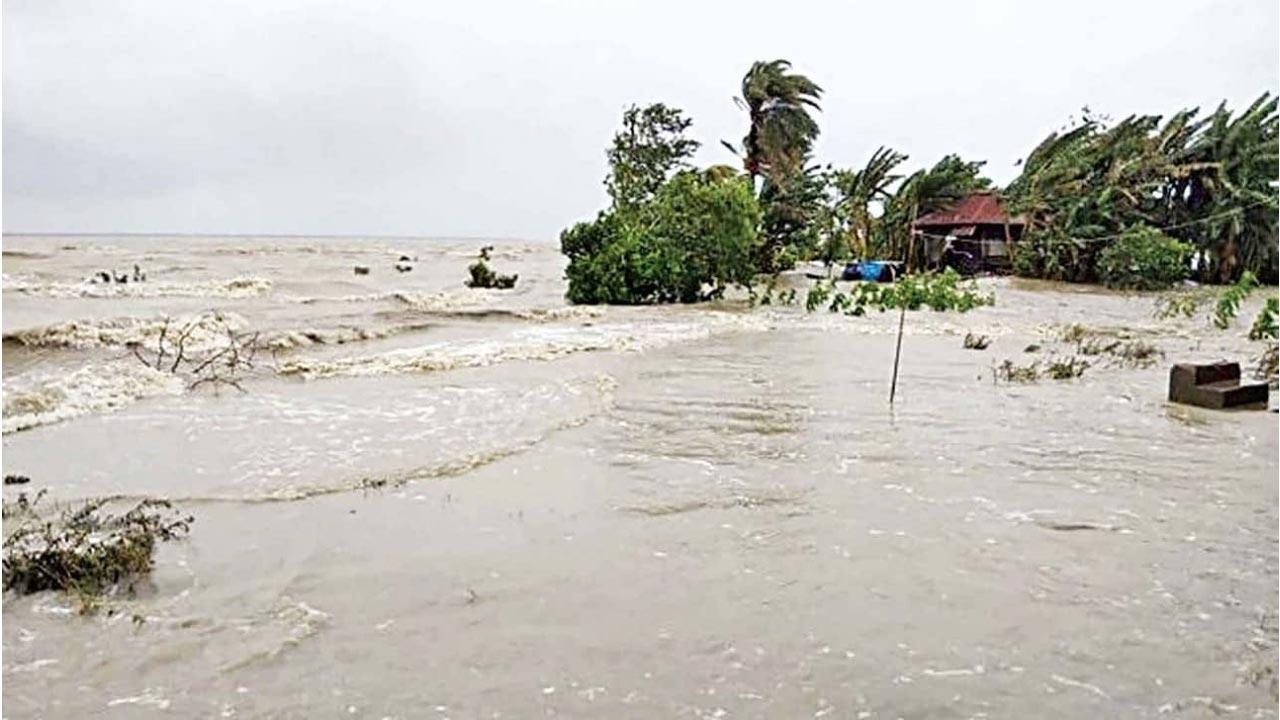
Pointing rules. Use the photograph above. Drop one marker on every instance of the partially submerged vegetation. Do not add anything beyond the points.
(937, 291)
(177, 350)
(1086, 347)
(976, 342)
(1054, 368)
(482, 276)
(85, 550)
(672, 234)
(1225, 306)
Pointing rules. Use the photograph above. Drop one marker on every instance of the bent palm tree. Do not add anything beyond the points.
(859, 189)
(782, 131)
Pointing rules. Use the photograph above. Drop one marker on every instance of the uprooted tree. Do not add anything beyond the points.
(186, 350)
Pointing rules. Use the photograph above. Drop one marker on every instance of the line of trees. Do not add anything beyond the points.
(1210, 183)
(1128, 203)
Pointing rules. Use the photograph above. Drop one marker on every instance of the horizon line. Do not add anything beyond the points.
(371, 236)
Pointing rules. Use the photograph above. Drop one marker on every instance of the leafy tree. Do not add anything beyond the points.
(648, 148)
(797, 216)
(691, 240)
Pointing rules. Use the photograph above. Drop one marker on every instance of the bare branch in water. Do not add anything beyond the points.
(221, 365)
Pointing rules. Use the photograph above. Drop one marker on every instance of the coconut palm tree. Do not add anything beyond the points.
(859, 189)
(782, 131)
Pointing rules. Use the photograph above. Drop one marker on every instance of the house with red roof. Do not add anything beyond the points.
(975, 234)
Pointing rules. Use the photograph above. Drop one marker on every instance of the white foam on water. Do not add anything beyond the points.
(204, 331)
(91, 389)
(240, 287)
(540, 343)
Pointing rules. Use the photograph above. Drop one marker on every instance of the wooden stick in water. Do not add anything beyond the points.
(902, 314)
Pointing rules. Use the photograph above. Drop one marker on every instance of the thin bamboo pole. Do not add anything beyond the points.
(902, 310)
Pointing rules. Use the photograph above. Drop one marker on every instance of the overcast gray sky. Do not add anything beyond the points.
(491, 118)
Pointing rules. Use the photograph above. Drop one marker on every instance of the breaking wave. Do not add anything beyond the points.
(92, 389)
(293, 339)
(444, 300)
(203, 331)
(240, 287)
(541, 343)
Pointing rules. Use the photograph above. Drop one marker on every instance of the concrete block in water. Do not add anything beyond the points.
(1215, 385)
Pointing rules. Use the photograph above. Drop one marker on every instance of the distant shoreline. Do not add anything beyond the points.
(450, 238)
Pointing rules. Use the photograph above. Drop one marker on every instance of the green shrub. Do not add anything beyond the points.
(482, 276)
(86, 551)
(1264, 326)
(687, 243)
(1144, 258)
(938, 291)
(1052, 256)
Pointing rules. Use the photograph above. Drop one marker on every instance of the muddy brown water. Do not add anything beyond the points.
(628, 512)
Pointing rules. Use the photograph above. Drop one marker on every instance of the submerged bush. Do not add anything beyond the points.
(976, 342)
(85, 551)
(686, 244)
(1267, 366)
(938, 291)
(1144, 258)
(1067, 368)
(483, 277)
(1264, 326)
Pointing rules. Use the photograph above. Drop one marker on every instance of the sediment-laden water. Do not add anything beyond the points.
(431, 501)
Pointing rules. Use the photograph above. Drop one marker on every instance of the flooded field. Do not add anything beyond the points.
(436, 502)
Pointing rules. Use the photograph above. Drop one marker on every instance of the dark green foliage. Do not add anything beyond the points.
(688, 243)
(858, 190)
(484, 277)
(1052, 255)
(1144, 258)
(1229, 302)
(1208, 182)
(796, 221)
(649, 147)
(782, 131)
(86, 550)
(798, 214)
(677, 239)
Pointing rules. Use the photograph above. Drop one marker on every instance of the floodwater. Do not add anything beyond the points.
(434, 502)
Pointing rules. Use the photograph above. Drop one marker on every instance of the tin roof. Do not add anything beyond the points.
(977, 209)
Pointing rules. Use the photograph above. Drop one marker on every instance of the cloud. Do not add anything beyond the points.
(491, 118)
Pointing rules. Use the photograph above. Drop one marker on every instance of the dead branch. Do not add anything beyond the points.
(223, 364)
